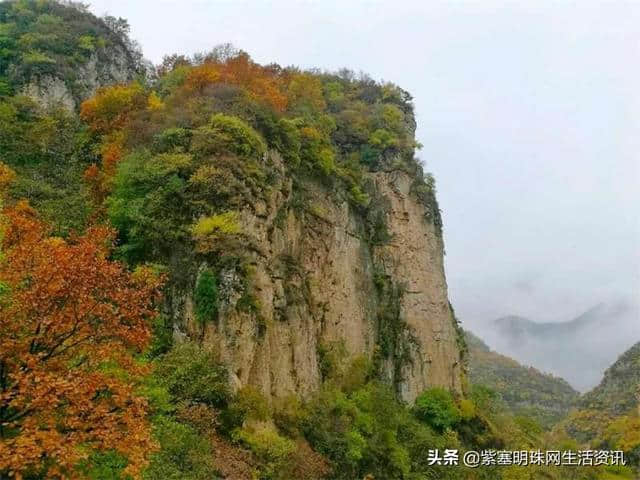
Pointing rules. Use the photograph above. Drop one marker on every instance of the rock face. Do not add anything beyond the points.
(414, 257)
(321, 281)
(108, 67)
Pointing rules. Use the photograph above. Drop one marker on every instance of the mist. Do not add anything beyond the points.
(529, 115)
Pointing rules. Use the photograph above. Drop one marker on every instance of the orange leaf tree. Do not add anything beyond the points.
(67, 311)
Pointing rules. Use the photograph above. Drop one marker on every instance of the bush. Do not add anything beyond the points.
(172, 140)
(359, 432)
(383, 139)
(148, 204)
(437, 408)
(162, 336)
(227, 134)
(217, 225)
(216, 232)
(206, 297)
(270, 447)
(191, 373)
(247, 404)
(107, 465)
(183, 454)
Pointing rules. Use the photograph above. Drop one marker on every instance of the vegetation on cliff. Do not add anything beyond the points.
(57, 40)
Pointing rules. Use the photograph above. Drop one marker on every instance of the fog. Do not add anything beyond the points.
(578, 350)
(529, 114)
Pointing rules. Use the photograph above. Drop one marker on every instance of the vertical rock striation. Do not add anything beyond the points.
(320, 278)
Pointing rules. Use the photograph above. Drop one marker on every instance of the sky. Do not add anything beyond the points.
(528, 111)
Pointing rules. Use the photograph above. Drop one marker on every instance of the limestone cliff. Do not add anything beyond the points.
(321, 279)
(296, 226)
(115, 67)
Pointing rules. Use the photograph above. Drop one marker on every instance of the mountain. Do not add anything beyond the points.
(578, 350)
(227, 270)
(525, 390)
(52, 57)
(60, 53)
(297, 238)
(288, 207)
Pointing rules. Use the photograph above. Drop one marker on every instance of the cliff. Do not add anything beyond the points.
(296, 228)
(321, 284)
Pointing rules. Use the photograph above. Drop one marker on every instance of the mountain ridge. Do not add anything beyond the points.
(524, 389)
(579, 349)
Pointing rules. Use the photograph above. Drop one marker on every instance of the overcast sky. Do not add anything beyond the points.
(528, 111)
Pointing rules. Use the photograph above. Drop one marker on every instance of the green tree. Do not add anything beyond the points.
(437, 408)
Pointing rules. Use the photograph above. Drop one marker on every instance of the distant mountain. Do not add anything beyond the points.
(525, 390)
(578, 350)
(595, 316)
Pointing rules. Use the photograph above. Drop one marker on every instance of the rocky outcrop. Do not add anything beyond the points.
(414, 259)
(320, 279)
(107, 67)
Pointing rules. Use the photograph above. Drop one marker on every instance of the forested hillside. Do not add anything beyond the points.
(610, 413)
(525, 390)
(618, 392)
(225, 270)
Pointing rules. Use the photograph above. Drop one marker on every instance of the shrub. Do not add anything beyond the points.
(252, 403)
(216, 232)
(193, 374)
(270, 447)
(359, 432)
(286, 140)
(247, 404)
(437, 408)
(183, 454)
(172, 139)
(289, 413)
(218, 225)
(383, 139)
(147, 204)
(162, 340)
(107, 465)
(206, 297)
(110, 108)
(227, 134)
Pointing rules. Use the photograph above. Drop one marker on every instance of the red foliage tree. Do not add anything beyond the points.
(264, 84)
(66, 311)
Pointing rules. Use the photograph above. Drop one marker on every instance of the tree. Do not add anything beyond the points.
(109, 109)
(70, 319)
(437, 408)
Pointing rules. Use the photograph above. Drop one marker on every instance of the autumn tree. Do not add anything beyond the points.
(70, 320)
(110, 107)
(263, 84)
